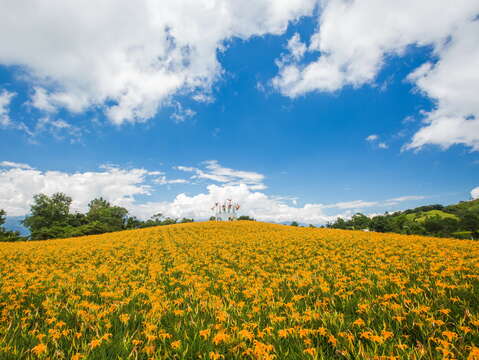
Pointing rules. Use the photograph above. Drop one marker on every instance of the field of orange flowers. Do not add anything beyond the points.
(240, 290)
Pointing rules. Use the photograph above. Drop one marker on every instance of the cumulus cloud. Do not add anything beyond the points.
(253, 203)
(19, 182)
(354, 39)
(128, 58)
(453, 83)
(475, 193)
(372, 137)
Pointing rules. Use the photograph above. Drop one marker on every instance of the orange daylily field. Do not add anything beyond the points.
(240, 290)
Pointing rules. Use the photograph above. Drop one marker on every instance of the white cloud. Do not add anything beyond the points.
(11, 164)
(5, 99)
(162, 180)
(41, 100)
(182, 114)
(453, 83)
(215, 172)
(354, 39)
(19, 183)
(356, 204)
(296, 47)
(253, 203)
(407, 198)
(373, 138)
(132, 188)
(475, 193)
(128, 58)
(55, 127)
(58, 128)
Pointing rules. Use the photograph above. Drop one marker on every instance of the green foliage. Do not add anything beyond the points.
(49, 214)
(459, 220)
(294, 223)
(6, 235)
(422, 216)
(113, 218)
(245, 217)
(360, 221)
(186, 220)
(50, 218)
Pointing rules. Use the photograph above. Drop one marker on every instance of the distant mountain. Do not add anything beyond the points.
(14, 223)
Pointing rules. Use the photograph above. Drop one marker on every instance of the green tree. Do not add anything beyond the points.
(169, 221)
(114, 218)
(360, 221)
(48, 216)
(245, 217)
(133, 223)
(294, 223)
(186, 220)
(470, 222)
(340, 223)
(380, 224)
(411, 227)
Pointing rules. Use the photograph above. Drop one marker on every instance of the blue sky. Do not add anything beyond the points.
(282, 120)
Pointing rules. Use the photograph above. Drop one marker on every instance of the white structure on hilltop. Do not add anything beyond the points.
(226, 210)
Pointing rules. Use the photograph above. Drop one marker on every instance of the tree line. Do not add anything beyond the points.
(459, 221)
(51, 218)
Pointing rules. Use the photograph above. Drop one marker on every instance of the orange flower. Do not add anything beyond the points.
(40, 349)
(95, 343)
(205, 333)
(220, 337)
(359, 322)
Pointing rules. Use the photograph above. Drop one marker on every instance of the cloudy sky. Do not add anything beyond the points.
(297, 109)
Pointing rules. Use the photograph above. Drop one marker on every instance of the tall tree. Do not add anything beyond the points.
(113, 217)
(360, 221)
(49, 215)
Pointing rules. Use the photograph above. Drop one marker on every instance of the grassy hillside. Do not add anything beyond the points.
(422, 216)
(239, 290)
(471, 205)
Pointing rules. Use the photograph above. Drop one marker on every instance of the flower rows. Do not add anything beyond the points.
(240, 290)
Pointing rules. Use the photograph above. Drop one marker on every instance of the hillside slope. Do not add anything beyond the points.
(239, 290)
